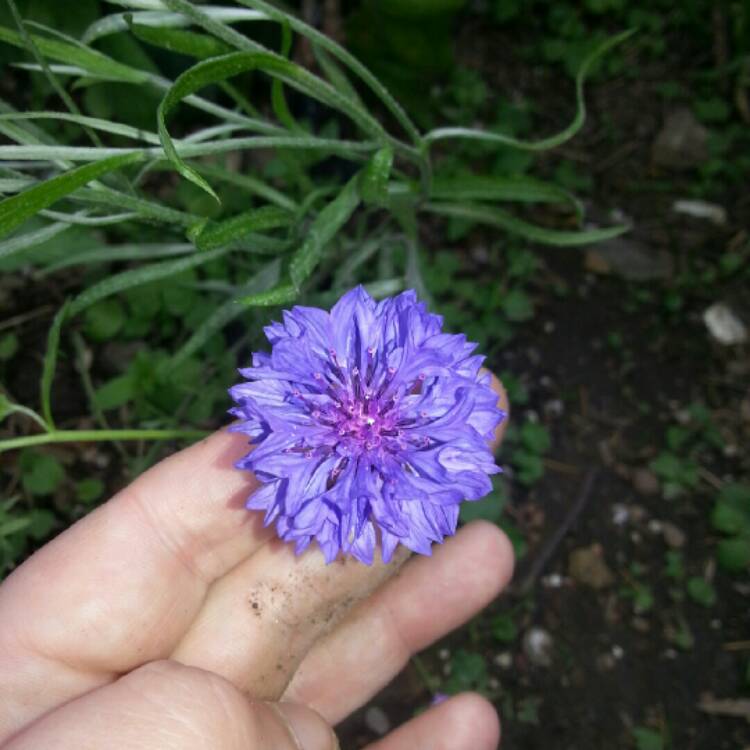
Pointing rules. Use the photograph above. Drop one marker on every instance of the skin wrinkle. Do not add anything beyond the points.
(169, 540)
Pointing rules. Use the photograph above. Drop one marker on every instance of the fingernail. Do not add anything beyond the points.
(308, 728)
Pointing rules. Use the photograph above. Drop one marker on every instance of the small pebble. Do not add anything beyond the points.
(618, 652)
(553, 581)
(620, 514)
(645, 482)
(554, 408)
(673, 535)
(537, 645)
(504, 660)
(655, 526)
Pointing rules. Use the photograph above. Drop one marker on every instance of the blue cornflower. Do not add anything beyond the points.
(368, 423)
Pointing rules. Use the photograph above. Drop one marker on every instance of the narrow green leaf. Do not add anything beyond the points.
(118, 22)
(30, 239)
(506, 189)
(8, 407)
(345, 57)
(88, 59)
(325, 227)
(138, 276)
(357, 255)
(57, 87)
(278, 100)
(335, 75)
(248, 183)
(222, 233)
(112, 253)
(543, 144)
(83, 219)
(96, 123)
(18, 208)
(498, 218)
(185, 42)
(373, 184)
(15, 184)
(260, 283)
(279, 295)
(199, 16)
(147, 209)
(50, 364)
(219, 69)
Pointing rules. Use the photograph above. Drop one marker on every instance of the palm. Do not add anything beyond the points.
(175, 568)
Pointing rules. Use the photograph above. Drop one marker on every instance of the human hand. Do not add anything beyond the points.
(170, 618)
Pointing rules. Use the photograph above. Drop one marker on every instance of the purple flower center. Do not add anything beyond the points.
(361, 412)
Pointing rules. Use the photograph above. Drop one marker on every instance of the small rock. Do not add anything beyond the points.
(620, 514)
(655, 526)
(504, 660)
(630, 259)
(537, 645)
(553, 581)
(554, 408)
(724, 325)
(646, 482)
(673, 535)
(618, 651)
(682, 143)
(586, 565)
(701, 210)
(377, 721)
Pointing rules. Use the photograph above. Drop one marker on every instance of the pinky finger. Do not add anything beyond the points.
(466, 722)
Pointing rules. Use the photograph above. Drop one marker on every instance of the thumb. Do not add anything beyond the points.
(167, 706)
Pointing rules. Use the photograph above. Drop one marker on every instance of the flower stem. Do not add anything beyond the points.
(88, 436)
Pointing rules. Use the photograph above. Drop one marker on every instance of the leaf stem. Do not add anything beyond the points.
(89, 436)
